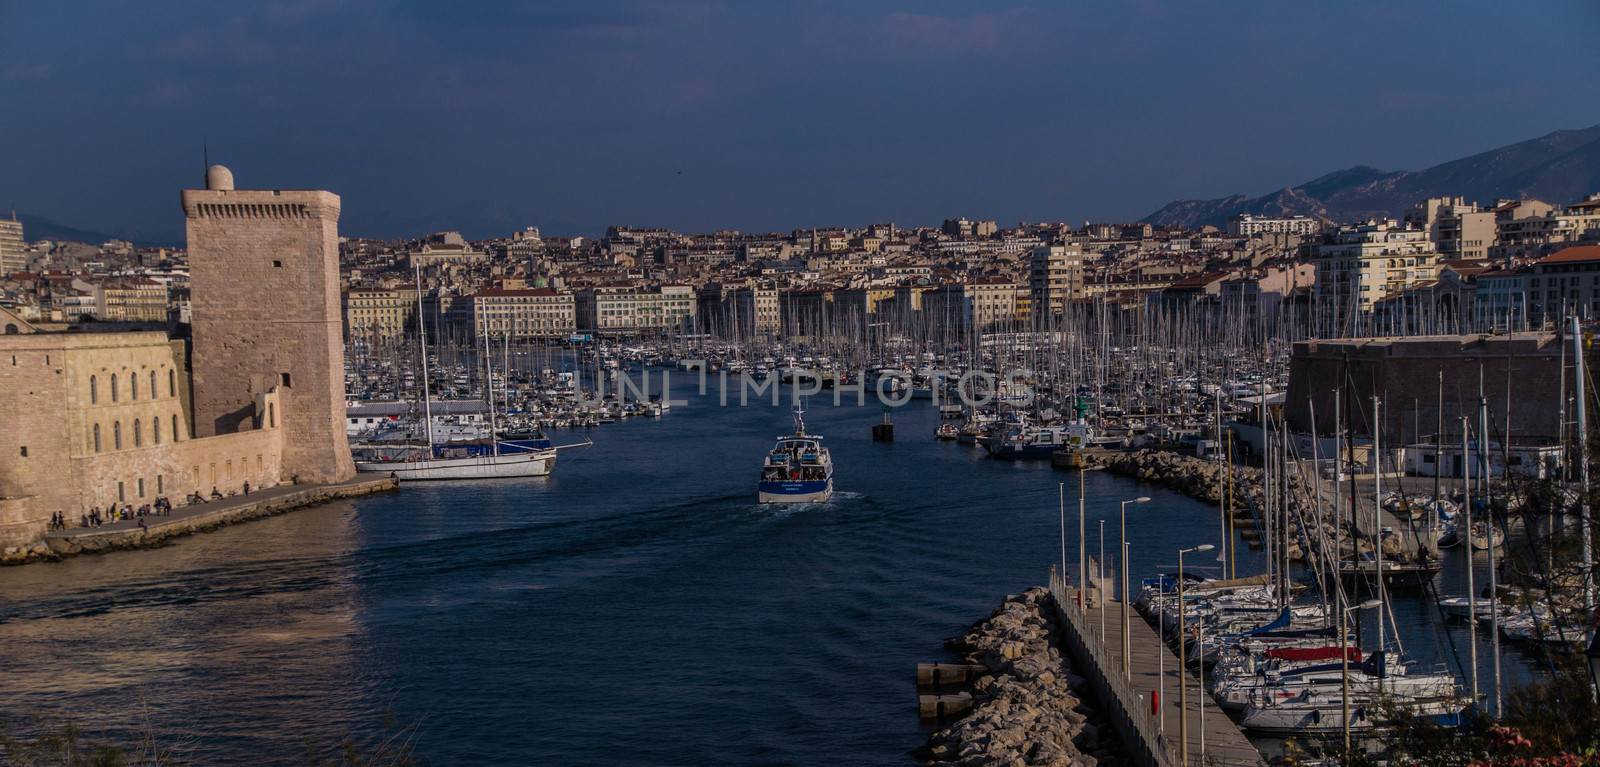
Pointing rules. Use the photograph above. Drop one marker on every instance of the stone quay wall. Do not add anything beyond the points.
(159, 530)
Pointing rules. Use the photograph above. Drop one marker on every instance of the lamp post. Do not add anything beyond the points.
(1183, 660)
(1126, 673)
(1100, 585)
(1161, 656)
(1344, 663)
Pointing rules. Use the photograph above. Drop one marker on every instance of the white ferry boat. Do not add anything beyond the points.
(798, 469)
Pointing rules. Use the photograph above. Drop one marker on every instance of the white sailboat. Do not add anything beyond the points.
(426, 462)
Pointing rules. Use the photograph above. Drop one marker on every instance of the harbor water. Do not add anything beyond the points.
(638, 607)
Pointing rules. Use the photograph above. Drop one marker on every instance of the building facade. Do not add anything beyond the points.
(13, 248)
(524, 313)
(1357, 266)
(1055, 277)
(373, 313)
(1246, 225)
(264, 281)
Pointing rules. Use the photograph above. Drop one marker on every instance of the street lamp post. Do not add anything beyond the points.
(1161, 656)
(1183, 660)
(1344, 663)
(1126, 673)
(1100, 585)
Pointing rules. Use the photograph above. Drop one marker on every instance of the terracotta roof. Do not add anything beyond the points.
(1575, 255)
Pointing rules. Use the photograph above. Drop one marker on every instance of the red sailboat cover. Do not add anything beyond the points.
(1314, 653)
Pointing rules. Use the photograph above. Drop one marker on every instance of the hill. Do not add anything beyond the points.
(1560, 167)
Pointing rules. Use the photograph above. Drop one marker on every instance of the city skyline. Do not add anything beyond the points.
(572, 117)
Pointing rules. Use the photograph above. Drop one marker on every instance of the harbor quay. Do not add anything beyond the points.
(152, 528)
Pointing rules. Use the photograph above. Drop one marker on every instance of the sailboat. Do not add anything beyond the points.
(433, 462)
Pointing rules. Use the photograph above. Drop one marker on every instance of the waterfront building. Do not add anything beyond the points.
(97, 418)
(374, 313)
(983, 304)
(264, 282)
(625, 308)
(523, 312)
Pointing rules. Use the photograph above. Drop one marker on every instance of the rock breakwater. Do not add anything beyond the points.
(1025, 709)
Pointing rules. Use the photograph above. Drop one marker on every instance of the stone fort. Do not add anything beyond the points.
(99, 418)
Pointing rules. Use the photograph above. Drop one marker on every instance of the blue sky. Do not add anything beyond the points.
(758, 115)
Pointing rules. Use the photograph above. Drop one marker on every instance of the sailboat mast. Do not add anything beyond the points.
(422, 338)
(1578, 374)
(488, 382)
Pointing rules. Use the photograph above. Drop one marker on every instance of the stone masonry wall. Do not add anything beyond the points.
(264, 275)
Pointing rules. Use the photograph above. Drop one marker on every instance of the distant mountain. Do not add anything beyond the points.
(36, 228)
(1561, 167)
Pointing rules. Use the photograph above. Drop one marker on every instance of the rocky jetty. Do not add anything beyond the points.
(1206, 480)
(1025, 710)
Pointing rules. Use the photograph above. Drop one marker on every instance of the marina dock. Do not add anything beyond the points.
(1213, 738)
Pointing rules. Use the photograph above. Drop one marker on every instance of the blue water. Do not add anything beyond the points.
(637, 608)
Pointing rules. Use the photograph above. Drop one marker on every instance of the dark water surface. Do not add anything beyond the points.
(637, 608)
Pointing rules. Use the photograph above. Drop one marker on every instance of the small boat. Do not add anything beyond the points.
(947, 431)
(1482, 534)
(798, 469)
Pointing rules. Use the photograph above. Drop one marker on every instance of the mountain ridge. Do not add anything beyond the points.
(1558, 167)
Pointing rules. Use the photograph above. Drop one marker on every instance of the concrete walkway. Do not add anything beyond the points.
(1219, 741)
(199, 514)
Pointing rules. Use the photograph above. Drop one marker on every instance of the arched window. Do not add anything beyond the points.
(94, 390)
(155, 431)
(172, 383)
(97, 438)
(113, 387)
(176, 435)
(133, 386)
(12, 329)
(116, 435)
(153, 394)
(138, 434)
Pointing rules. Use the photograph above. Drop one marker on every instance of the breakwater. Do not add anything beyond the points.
(1025, 710)
(152, 531)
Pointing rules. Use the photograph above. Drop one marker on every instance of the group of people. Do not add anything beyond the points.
(95, 517)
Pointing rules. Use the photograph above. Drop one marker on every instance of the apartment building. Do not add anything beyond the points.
(1055, 277)
(523, 312)
(1246, 225)
(378, 312)
(1356, 266)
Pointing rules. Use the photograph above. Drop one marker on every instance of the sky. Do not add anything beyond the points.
(572, 115)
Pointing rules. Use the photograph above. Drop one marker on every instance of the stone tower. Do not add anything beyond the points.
(264, 279)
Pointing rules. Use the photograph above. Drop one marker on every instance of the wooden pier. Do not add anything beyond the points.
(1151, 738)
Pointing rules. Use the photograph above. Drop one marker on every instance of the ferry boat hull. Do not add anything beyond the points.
(501, 466)
(804, 491)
